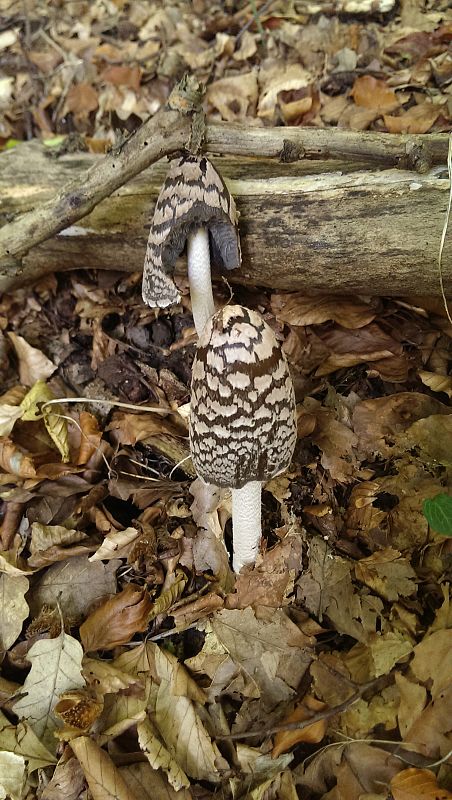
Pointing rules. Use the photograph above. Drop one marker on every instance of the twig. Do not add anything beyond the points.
(325, 714)
(446, 223)
(168, 131)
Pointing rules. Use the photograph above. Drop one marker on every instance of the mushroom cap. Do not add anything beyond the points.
(242, 419)
(192, 196)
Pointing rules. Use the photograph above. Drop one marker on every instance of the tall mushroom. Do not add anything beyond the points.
(194, 206)
(242, 420)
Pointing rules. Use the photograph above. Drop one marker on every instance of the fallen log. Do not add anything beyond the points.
(303, 226)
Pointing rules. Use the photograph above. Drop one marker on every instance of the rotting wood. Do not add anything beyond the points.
(302, 227)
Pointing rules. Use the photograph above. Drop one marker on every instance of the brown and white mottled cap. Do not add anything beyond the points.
(242, 419)
(192, 196)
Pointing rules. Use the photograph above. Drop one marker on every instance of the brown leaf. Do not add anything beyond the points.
(122, 75)
(369, 343)
(417, 784)
(75, 584)
(378, 421)
(436, 382)
(271, 581)
(81, 99)
(90, 437)
(374, 94)
(117, 620)
(387, 573)
(33, 364)
(418, 119)
(66, 782)
(13, 460)
(104, 779)
(299, 309)
(285, 740)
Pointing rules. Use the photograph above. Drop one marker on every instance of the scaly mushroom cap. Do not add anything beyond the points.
(192, 196)
(242, 419)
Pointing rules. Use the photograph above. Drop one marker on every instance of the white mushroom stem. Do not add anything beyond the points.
(198, 256)
(246, 524)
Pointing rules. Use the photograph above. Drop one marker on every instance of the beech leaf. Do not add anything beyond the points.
(117, 620)
(158, 755)
(417, 784)
(55, 668)
(8, 416)
(13, 608)
(104, 779)
(33, 364)
(21, 740)
(12, 775)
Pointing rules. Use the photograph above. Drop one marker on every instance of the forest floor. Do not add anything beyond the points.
(135, 664)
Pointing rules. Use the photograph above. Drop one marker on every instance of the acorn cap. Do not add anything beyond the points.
(192, 196)
(242, 419)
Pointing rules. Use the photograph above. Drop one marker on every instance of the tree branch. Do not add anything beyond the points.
(166, 132)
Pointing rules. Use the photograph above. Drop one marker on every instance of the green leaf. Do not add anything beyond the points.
(438, 513)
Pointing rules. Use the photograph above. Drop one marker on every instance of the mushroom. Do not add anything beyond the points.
(242, 420)
(194, 206)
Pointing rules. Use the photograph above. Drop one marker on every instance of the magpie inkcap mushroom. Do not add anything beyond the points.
(242, 420)
(193, 207)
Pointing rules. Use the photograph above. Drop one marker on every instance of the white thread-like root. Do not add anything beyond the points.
(246, 524)
(198, 256)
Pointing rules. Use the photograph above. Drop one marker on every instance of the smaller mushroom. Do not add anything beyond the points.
(194, 206)
(242, 420)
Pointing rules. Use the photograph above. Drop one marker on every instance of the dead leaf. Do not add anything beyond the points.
(149, 784)
(67, 782)
(418, 119)
(374, 94)
(366, 344)
(178, 722)
(298, 308)
(122, 75)
(158, 756)
(414, 784)
(387, 573)
(8, 417)
(13, 608)
(117, 544)
(436, 382)
(279, 77)
(234, 97)
(285, 740)
(413, 698)
(21, 740)
(81, 99)
(278, 657)
(103, 778)
(12, 775)
(75, 584)
(117, 620)
(378, 421)
(14, 460)
(33, 364)
(55, 667)
(434, 649)
(90, 437)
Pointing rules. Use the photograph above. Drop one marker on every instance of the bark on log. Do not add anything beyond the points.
(302, 226)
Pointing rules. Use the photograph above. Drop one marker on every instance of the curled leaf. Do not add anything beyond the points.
(14, 460)
(117, 620)
(33, 364)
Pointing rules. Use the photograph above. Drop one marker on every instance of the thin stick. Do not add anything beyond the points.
(325, 714)
(446, 223)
